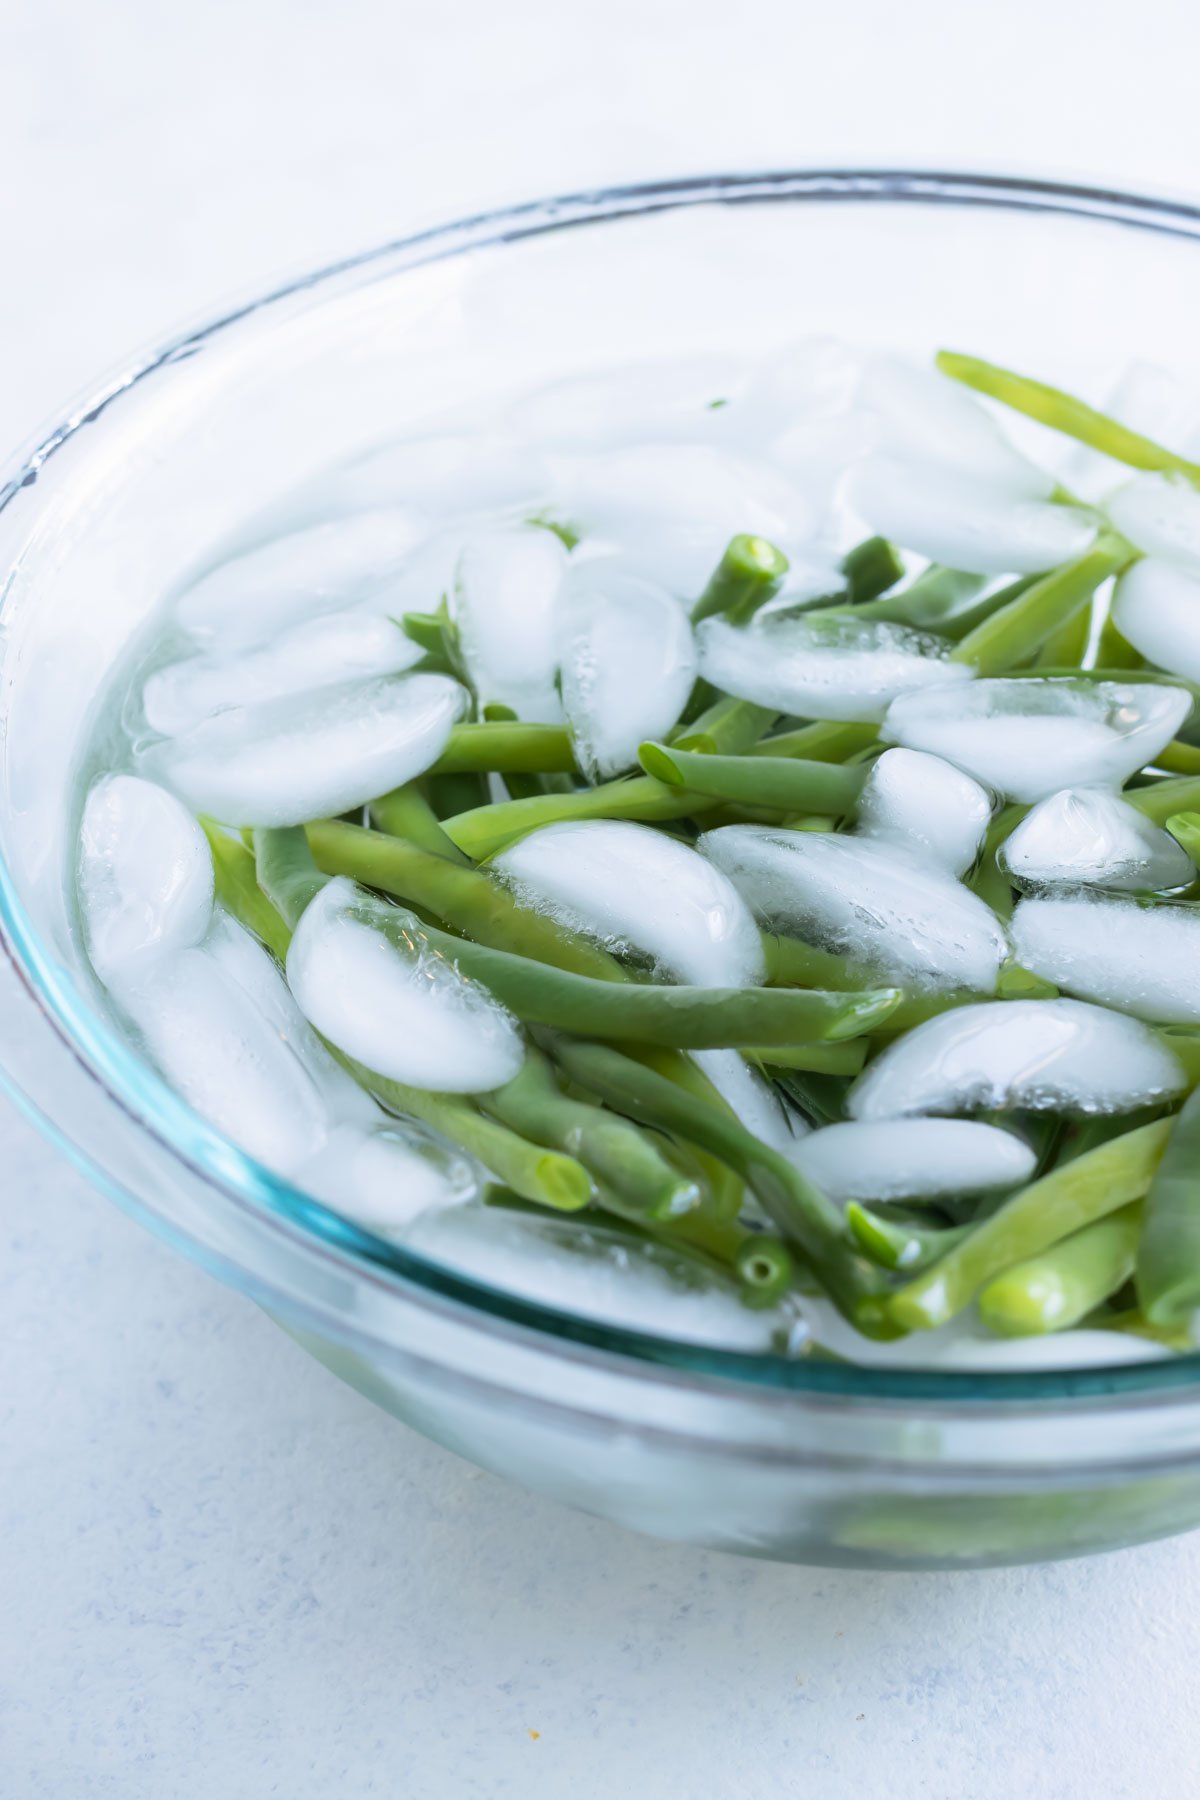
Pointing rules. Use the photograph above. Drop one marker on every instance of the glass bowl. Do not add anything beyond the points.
(812, 1462)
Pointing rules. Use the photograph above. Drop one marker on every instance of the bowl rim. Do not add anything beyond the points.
(236, 1178)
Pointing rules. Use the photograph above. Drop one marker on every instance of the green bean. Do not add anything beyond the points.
(636, 1177)
(465, 898)
(766, 1269)
(1033, 1219)
(507, 746)
(946, 601)
(483, 830)
(1137, 1325)
(904, 1245)
(687, 1018)
(819, 1059)
(1179, 758)
(1162, 798)
(793, 963)
(1068, 645)
(748, 574)
(1114, 651)
(456, 793)
(799, 1211)
(287, 873)
(1184, 827)
(780, 783)
(827, 741)
(870, 569)
(1005, 639)
(239, 893)
(1062, 1285)
(1063, 412)
(1017, 983)
(989, 879)
(405, 813)
(1168, 1260)
(729, 727)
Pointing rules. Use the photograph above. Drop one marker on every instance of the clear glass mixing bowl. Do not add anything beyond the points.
(810, 1462)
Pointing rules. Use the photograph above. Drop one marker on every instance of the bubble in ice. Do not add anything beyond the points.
(443, 475)
(923, 415)
(383, 1178)
(1157, 607)
(628, 663)
(926, 805)
(900, 1159)
(632, 403)
(145, 875)
(1045, 1055)
(594, 1273)
(338, 647)
(824, 667)
(633, 888)
(310, 756)
(1029, 738)
(1090, 837)
(954, 517)
(889, 913)
(1141, 959)
(672, 508)
(363, 973)
(1161, 515)
(317, 569)
(506, 596)
(207, 1018)
(752, 1098)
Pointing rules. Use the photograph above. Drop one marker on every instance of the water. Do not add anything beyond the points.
(901, 1159)
(1143, 960)
(823, 667)
(924, 804)
(632, 888)
(895, 917)
(1091, 837)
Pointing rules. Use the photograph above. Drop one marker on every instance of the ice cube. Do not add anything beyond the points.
(633, 888)
(815, 378)
(1161, 515)
(953, 517)
(339, 647)
(506, 596)
(926, 805)
(628, 663)
(672, 508)
(752, 1098)
(224, 1052)
(1157, 607)
(633, 403)
(892, 915)
(899, 1159)
(590, 1272)
(1046, 1055)
(446, 475)
(364, 975)
(293, 577)
(145, 875)
(1029, 738)
(964, 1344)
(923, 416)
(385, 1178)
(824, 667)
(1144, 960)
(313, 755)
(1090, 837)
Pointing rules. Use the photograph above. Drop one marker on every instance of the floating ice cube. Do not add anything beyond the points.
(1046, 1055)
(824, 667)
(633, 888)
(1144, 960)
(145, 875)
(899, 1159)
(1029, 738)
(339, 647)
(506, 605)
(224, 1051)
(363, 974)
(307, 756)
(815, 378)
(634, 403)
(592, 1273)
(672, 508)
(445, 476)
(1157, 607)
(385, 1178)
(1091, 837)
(1161, 515)
(964, 1344)
(817, 454)
(926, 417)
(926, 805)
(894, 916)
(954, 517)
(628, 663)
(315, 570)
(752, 1098)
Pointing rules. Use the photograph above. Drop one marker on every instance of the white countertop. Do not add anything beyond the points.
(222, 1575)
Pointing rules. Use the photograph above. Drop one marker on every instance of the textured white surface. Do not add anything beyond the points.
(222, 1576)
